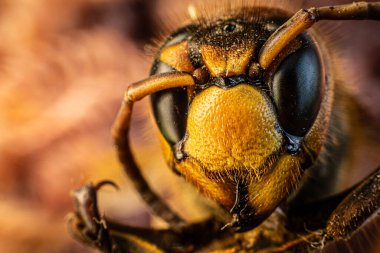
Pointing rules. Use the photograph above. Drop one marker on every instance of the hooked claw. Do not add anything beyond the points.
(90, 226)
(99, 185)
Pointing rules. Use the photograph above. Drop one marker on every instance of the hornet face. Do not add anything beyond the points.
(243, 135)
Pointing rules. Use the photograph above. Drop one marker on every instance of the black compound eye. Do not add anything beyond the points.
(298, 86)
(170, 109)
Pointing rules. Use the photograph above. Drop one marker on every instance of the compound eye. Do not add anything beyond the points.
(170, 109)
(298, 86)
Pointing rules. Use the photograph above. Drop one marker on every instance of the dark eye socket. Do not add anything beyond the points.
(298, 86)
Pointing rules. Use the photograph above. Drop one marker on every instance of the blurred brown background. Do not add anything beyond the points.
(63, 68)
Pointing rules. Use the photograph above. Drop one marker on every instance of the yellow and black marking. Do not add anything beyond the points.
(239, 125)
(245, 108)
(177, 56)
(226, 62)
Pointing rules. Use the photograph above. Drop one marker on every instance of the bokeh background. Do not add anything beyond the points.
(64, 66)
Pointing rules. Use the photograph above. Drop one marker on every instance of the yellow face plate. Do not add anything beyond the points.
(226, 62)
(231, 129)
(233, 133)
